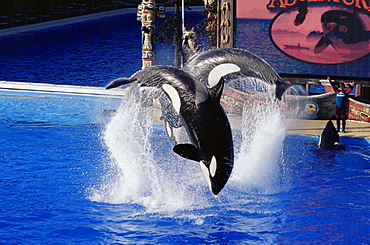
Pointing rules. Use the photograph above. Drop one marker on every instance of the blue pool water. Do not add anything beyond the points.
(71, 173)
(90, 170)
(89, 53)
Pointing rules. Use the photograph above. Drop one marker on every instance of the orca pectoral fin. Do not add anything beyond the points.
(119, 82)
(187, 151)
(322, 45)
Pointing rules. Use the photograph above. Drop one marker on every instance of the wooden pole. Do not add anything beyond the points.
(176, 62)
(226, 23)
(146, 14)
(358, 90)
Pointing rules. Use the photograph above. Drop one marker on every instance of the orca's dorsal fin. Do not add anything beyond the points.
(188, 151)
(216, 91)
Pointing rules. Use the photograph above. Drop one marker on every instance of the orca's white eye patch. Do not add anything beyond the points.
(174, 96)
(220, 71)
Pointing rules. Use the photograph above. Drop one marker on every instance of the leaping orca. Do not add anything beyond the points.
(202, 116)
(329, 139)
(230, 63)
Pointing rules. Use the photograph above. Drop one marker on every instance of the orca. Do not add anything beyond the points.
(342, 29)
(231, 63)
(201, 114)
(329, 139)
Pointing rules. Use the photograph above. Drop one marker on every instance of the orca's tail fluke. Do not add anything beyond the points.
(119, 82)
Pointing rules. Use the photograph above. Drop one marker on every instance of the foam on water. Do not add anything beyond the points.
(144, 170)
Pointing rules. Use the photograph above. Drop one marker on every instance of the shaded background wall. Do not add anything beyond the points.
(13, 6)
(16, 6)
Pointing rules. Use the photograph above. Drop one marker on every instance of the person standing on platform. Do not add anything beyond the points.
(341, 94)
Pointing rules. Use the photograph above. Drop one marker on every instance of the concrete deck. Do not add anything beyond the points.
(354, 129)
(22, 88)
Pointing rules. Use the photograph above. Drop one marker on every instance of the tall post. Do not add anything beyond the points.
(182, 14)
(146, 14)
(212, 22)
(177, 61)
(226, 23)
(358, 90)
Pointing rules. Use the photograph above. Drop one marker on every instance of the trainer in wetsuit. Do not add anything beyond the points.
(340, 99)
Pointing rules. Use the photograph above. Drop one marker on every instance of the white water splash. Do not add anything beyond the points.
(145, 171)
(129, 150)
(142, 172)
(257, 164)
